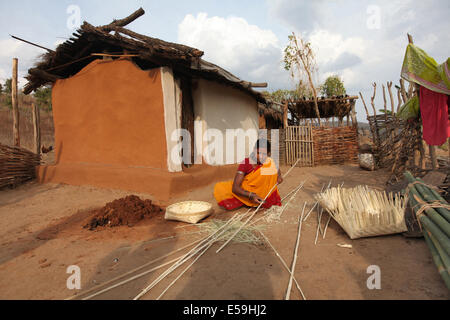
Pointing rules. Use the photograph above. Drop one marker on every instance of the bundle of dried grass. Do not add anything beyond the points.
(17, 165)
(364, 212)
(248, 233)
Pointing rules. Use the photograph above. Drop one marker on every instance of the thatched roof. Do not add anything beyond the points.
(88, 42)
(338, 107)
(271, 110)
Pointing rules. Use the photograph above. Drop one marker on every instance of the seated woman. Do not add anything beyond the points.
(252, 183)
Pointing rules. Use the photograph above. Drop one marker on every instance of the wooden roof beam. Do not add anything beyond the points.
(123, 22)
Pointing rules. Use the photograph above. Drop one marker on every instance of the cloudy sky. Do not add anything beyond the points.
(361, 41)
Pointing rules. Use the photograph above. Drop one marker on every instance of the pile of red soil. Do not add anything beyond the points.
(123, 212)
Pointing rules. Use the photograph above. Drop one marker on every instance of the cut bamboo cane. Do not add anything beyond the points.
(294, 262)
(128, 280)
(326, 227)
(319, 218)
(205, 242)
(284, 207)
(184, 271)
(132, 271)
(438, 261)
(311, 210)
(292, 191)
(284, 264)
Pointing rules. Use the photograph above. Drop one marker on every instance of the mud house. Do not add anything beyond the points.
(119, 102)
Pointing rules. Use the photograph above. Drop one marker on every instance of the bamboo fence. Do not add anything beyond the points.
(17, 165)
(335, 145)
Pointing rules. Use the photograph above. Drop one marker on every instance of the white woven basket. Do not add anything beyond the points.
(188, 211)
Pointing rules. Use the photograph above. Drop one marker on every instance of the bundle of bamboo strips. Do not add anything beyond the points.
(17, 165)
(433, 213)
(364, 212)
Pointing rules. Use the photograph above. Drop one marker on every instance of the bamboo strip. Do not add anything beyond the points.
(284, 264)
(132, 271)
(294, 262)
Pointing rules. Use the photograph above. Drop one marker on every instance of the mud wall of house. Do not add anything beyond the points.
(221, 107)
(111, 112)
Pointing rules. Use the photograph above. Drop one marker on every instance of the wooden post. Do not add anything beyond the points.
(448, 146)
(403, 91)
(15, 104)
(423, 155)
(391, 96)
(434, 161)
(354, 120)
(399, 96)
(36, 127)
(285, 114)
(384, 99)
(372, 102)
(372, 129)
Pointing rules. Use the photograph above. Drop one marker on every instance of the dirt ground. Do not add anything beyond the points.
(41, 234)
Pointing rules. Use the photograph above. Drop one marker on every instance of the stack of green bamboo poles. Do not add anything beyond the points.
(433, 215)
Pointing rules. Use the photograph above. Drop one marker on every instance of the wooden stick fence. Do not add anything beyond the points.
(17, 165)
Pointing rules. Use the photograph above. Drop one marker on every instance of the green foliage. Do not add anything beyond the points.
(7, 92)
(444, 147)
(1, 89)
(280, 95)
(388, 112)
(8, 86)
(44, 98)
(333, 86)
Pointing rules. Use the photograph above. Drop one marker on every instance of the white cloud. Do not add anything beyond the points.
(246, 50)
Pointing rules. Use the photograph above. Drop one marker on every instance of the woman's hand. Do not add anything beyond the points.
(280, 179)
(255, 198)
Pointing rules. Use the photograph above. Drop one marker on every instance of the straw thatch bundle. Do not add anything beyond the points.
(247, 234)
(17, 165)
(364, 212)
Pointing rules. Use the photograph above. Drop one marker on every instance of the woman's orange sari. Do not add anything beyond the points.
(260, 181)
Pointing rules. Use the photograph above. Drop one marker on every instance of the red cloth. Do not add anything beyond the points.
(246, 167)
(233, 203)
(434, 111)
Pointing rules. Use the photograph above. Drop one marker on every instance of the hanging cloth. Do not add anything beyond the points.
(434, 111)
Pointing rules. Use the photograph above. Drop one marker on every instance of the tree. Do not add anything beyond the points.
(1, 89)
(7, 91)
(333, 86)
(300, 61)
(44, 98)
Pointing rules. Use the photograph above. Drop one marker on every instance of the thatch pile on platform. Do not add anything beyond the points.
(334, 107)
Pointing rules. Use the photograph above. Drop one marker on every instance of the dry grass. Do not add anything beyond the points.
(248, 234)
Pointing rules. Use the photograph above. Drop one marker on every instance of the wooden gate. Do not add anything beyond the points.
(299, 145)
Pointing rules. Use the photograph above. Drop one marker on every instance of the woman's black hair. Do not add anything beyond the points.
(262, 143)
